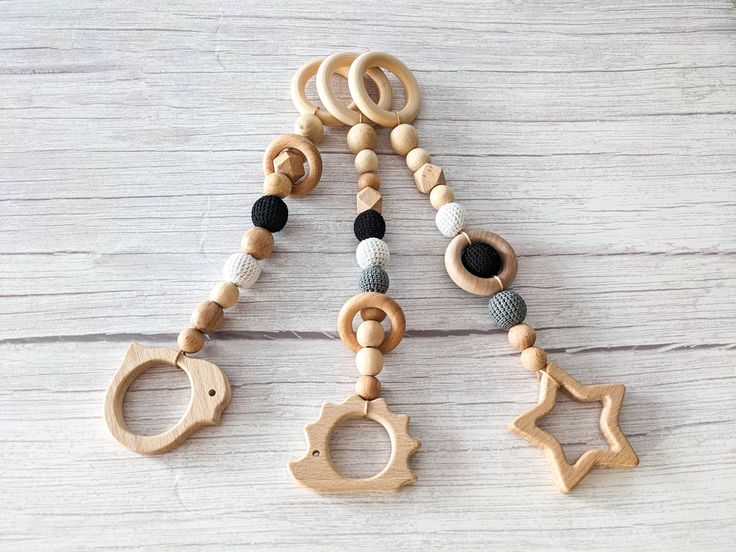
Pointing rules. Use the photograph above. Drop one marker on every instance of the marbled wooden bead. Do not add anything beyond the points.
(366, 161)
(416, 158)
(207, 316)
(441, 195)
(277, 184)
(370, 333)
(369, 361)
(225, 294)
(404, 138)
(190, 340)
(533, 358)
(372, 313)
(369, 180)
(522, 336)
(368, 387)
(361, 137)
(257, 242)
(309, 126)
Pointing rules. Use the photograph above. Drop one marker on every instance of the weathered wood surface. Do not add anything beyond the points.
(599, 138)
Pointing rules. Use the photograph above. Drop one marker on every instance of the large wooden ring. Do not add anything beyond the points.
(339, 63)
(307, 149)
(210, 396)
(364, 102)
(470, 282)
(381, 302)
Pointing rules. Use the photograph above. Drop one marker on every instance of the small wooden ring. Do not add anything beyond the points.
(470, 282)
(339, 63)
(381, 302)
(307, 149)
(364, 102)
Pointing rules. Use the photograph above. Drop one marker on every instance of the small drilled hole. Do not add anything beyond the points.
(212, 392)
(315, 454)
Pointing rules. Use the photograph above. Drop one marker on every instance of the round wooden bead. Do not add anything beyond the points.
(441, 195)
(416, 158)
(366, 161)
(310, 127)
(533, 358)
(225, 294)
(370, 333)
(368, 387)
(207, 316)
(362, 136)
(404, 138)
(277, 184)
(190, 340)
(257, 242)
(372, 313)
(369, 361)
(522, 336)
(369, 180)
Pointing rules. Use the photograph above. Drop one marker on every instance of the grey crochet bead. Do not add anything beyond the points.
(507, 309)
(373, 278)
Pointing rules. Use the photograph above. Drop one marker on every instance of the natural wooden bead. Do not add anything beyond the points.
(277, 184)
(440, 195)
(428, 176)
(416, 158)
(362, 136)
(522, 336)
(310, 127)
(290, 163)
(190, 340)
(533, 358)
(207, 316)
(368, 198)
(372, 313)
(370, 333)
(225, 294)
(257, 242)
(369, 180)
(368, 387)
(369, 361)
(404, 138)
(366, 161)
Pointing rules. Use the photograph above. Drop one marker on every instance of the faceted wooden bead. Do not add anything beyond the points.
(225, 294)
(277, 184)
(370, 333)
(290, 163)
(207, 316)
(366, 161)
(369, 361)
(309, 126)
(404, 138)
(190, 340)
(428, 176)
(368, 387)
(372, 313)
(533, 358)
(441, 195)
(362, 136)
(416, 158)
(257, 242)
(369, 180)
(368, 198)
(522, 336)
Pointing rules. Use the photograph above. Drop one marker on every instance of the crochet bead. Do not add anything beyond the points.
(404, 138)
(242, 270)
(257, 241)
(309, 126)
(190, 340)
(207, 316)
(269, 212)
(507, 309)
(533, 358)
(451, 219)
(277, 184)
(362, 136)
(440, 195)
(416, 158)
(225, 294)
(369, 361)
(373, 278)
(370, 333)
(522, 336)
(372, 252)
(368, 387)
(369, 224)
(369, 180)
(481, 260)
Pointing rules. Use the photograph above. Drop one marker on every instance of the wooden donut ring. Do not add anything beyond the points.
(377, 300)
(470, 282)
(339, 63)
(307, 149)
(364, 102)
(210, 396)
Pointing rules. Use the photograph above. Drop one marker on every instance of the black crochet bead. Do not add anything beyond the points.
(369, 224)
(481, 260)
(269, 212)
(373, 278)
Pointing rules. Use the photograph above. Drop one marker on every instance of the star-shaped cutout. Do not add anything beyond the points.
(611, 395)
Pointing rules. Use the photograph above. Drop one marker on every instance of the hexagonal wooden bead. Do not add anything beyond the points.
(368, 198)
(428, 176)
(290, 163)
(533, 358)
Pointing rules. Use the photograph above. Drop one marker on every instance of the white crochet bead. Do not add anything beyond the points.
(451, 219)
(372, 252)
(242, 270)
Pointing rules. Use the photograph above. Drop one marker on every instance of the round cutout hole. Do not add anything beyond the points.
(360, 448)
(212, 392)
(156, 400)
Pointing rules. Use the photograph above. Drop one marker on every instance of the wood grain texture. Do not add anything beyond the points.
(597, 137)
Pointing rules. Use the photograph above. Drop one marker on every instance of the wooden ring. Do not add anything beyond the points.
(470, 282)
(381, 302)
(210, 396)
(364, 102)
(307, 149)
(339, 63)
